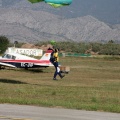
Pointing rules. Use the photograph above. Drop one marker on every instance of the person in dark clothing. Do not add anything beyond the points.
(55, 63)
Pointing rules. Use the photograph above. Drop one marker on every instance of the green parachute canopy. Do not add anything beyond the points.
(54, 3)
(52, 42)
(35, 1)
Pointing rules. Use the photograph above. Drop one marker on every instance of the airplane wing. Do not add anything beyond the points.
(43, 65)
(7, 65)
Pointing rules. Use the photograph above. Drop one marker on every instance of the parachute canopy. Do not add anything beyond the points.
(58, 3)
(54, 3)
(52, 42)
(35, 1)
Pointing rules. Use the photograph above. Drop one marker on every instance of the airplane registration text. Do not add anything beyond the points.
(26, 64)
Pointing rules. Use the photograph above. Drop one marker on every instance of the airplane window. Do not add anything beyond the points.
(13, 57)
(8, 56)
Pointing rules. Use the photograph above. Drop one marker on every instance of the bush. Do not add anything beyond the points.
(4, 43)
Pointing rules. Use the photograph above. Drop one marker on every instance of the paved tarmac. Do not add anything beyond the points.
(25, 112)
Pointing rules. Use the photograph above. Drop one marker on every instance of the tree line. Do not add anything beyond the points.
(110, 48)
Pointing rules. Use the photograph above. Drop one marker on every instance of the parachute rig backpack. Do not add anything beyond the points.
(52, 58)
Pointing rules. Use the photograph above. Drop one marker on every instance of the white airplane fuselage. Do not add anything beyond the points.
(23, 61)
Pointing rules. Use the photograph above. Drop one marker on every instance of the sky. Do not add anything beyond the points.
(107, 11)
(104, 10)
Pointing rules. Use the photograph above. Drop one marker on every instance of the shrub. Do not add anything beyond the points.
(4, 43)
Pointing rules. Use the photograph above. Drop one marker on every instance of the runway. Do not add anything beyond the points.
(25, 112)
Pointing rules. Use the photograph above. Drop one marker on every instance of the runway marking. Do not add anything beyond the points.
(10, 118)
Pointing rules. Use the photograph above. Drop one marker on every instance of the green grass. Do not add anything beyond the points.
(92, 84)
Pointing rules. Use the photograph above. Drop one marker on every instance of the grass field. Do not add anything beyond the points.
(92, 84)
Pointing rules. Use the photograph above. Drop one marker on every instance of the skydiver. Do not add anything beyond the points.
(55, 63)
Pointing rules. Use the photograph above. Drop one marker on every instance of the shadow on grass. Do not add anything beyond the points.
(32, 70)
(17, 82)
(12, 81)
(35, 70)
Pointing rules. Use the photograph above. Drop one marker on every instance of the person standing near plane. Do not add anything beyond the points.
(55, 63)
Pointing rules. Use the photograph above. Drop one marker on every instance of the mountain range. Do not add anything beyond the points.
(24, 22)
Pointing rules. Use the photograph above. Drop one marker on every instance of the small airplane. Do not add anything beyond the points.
(16, 60)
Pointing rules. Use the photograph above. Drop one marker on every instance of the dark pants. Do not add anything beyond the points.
(57, 70)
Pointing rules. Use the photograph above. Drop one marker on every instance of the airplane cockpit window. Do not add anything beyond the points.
(7, 56)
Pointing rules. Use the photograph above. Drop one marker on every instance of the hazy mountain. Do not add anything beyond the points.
(25, 24)
(83, 20)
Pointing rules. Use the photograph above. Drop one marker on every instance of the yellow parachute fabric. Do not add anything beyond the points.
(55, 5)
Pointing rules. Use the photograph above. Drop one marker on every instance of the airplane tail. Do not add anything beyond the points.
(46, 55)
(44, 61)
